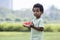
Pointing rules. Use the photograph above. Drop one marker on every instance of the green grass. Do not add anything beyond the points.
(26, 35)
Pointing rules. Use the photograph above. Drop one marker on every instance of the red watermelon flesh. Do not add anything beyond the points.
(27, 23)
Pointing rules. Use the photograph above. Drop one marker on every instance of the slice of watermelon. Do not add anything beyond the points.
(27, 23)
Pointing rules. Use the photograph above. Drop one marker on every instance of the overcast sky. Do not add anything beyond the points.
(19, 4)
(6, 3)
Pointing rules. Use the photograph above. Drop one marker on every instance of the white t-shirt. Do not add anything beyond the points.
(37, 35)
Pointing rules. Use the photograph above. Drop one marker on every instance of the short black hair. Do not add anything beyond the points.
(39, 6)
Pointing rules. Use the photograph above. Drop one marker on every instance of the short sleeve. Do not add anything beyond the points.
(41, 23)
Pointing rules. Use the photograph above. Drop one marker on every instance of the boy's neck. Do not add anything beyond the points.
(38, 17)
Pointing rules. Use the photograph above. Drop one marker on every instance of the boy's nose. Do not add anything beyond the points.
(35, 12)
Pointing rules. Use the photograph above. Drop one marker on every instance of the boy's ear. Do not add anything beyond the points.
(41, 12)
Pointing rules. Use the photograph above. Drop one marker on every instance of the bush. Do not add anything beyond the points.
(12, 27)
(1, 27)
(48, 28)
(58, 29)
(52, 27)
(9, 26)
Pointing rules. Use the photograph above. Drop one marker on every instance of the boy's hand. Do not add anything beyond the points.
(32, 25)
(27, 24)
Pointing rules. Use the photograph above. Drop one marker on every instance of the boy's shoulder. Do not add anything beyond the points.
(40, 19)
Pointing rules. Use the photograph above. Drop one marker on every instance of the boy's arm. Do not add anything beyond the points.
(40, 26)
(37, 28)
(26, 26)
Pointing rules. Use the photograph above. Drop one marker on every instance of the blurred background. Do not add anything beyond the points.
(14, 12)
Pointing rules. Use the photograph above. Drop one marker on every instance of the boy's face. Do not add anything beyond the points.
(37, 12)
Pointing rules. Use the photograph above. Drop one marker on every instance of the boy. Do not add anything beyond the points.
(37, 26)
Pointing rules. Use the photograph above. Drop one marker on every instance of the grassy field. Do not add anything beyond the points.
(26, 35)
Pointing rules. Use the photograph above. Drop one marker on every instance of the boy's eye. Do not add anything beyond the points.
(35, 10)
